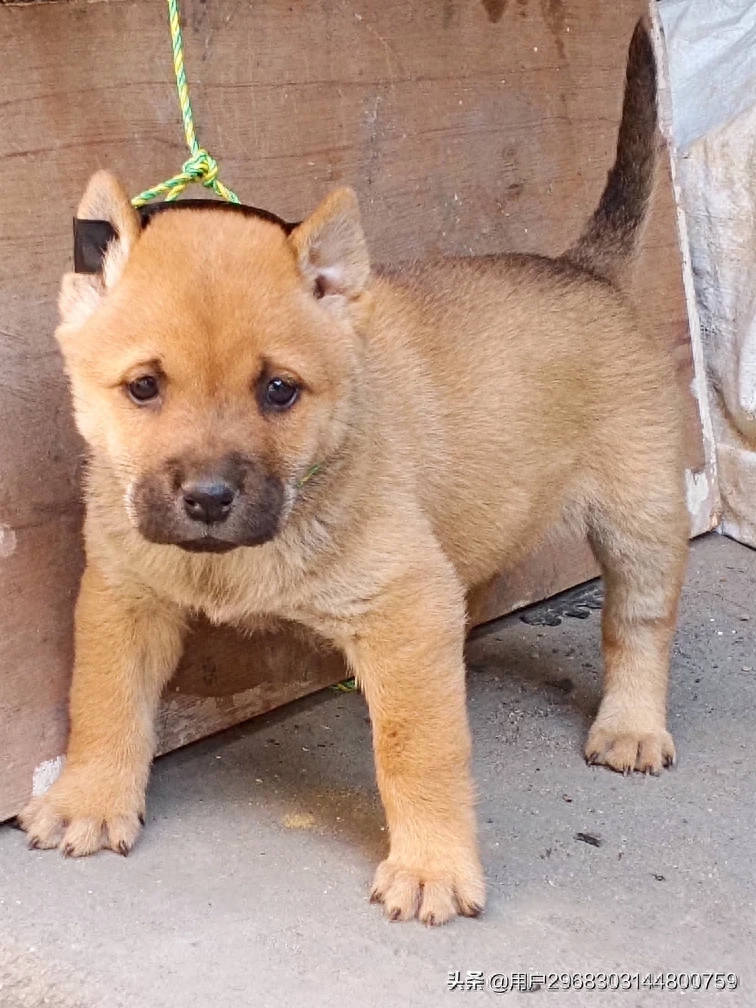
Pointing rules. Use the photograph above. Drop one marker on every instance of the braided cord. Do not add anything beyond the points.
(200, 167)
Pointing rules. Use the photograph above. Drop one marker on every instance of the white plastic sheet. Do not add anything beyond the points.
(711, 47)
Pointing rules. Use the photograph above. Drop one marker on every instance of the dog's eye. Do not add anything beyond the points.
(280, 394)
(142, 389)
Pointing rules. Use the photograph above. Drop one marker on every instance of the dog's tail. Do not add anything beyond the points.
(610, 242)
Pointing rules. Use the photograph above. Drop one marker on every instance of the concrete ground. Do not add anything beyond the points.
(249, 885)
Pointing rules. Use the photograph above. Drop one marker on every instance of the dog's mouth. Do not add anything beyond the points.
(209, 541)
(211, 544)
(208, 545)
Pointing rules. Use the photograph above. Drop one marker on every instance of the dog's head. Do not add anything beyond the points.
(214, 362)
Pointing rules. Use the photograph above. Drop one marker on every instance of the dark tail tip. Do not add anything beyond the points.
(611, 239)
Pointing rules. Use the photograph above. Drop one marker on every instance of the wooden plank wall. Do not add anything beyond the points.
(466, 127)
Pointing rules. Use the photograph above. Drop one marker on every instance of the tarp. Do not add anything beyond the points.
(711, 48)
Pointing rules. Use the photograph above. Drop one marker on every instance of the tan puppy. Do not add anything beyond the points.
(277, 431)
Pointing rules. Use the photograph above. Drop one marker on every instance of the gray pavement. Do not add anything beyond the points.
(249, 884)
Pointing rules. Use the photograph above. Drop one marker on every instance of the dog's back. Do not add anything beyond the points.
(534, 375)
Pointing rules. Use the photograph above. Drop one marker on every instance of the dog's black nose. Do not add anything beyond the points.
(209, 501)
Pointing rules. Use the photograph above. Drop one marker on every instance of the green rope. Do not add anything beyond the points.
(200, 167)
(346, 686)
(312, 471)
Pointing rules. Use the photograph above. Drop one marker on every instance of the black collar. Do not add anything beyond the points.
(91, 237)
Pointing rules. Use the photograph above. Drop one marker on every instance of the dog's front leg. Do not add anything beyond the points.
(407, 655)
(126, 649)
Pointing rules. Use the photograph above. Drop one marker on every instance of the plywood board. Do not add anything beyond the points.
(465, 127)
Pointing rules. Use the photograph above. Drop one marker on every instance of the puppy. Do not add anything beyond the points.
(275, 430)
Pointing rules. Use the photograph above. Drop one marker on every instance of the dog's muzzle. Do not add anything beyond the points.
(210, 506)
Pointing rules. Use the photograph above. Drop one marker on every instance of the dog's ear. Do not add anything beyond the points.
(104, 199)
(331, 248)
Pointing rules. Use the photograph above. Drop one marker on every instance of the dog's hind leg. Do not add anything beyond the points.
(639, 534)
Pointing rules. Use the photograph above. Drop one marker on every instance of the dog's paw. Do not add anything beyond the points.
(80, 816)
(434, 895)
(624, 749)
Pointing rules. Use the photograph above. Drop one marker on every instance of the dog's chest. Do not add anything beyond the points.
(243, 588)
(231, 589)
(223, 588)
